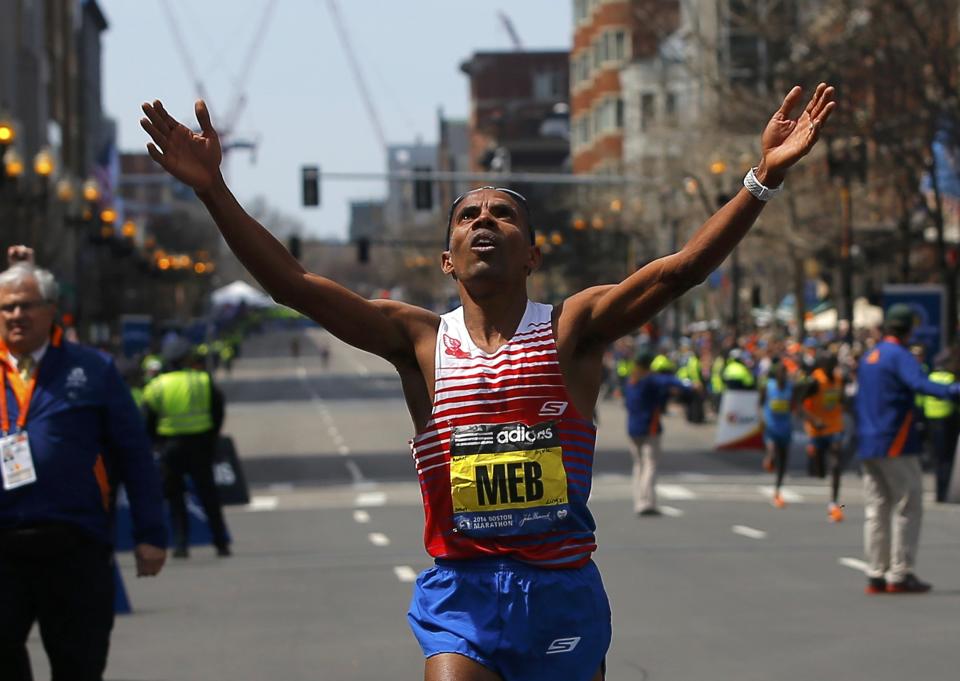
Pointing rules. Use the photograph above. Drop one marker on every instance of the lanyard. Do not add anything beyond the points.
(24, 405)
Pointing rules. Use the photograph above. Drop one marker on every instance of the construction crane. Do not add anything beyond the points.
(511, 31)
(228, 121)
(358, 78)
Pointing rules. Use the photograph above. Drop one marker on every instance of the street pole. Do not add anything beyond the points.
(846, 261)
(735, 281)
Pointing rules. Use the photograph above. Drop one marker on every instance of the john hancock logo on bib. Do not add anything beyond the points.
(507, 479)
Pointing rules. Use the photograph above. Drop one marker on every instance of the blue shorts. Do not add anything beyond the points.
(778, 439)
(522, 622)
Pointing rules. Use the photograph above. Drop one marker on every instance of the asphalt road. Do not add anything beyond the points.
(723, 587)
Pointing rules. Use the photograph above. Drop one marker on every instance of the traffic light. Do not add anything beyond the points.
(311, 185)
(363, 250)
(295, 245)
(422, 191)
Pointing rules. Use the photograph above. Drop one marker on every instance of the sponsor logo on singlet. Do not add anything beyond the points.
(507, 479)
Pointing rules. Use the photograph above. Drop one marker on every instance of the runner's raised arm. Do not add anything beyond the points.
(385, 328)
(602, 314)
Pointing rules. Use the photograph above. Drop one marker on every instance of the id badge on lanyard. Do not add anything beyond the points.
(16, 459)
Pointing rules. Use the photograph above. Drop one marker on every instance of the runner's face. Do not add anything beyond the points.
(25, 317)
(489, 234)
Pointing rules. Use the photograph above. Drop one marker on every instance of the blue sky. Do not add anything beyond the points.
(302, 102)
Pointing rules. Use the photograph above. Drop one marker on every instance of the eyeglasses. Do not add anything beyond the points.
(517, 196)
(24, 305)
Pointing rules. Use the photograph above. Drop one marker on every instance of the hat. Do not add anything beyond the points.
(176, 349)
(900, 316)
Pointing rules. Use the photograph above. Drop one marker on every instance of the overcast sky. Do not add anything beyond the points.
(302, 102)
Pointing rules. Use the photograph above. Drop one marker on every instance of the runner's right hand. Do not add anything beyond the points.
(192, 158)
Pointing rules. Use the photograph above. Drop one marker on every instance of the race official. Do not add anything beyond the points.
(184, 412)
(71, 432)
(889, 447)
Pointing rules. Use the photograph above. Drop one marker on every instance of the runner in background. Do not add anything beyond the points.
(823, 419)
(778, 399)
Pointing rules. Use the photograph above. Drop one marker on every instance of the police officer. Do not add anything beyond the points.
(736, 375)
(943, 423)
(691, 373)
(184, 413)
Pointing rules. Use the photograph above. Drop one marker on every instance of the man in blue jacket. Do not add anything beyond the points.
(70, 433)
(646, 393)
(889, 378)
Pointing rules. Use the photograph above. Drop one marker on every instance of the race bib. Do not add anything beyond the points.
(780, 406)
(507, 479)
(16, 461)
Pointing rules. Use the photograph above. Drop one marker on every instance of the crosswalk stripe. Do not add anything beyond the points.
(405, 573)
(263, 504)
(853, 563)
(675, 492)
(672, 511)
(361, 516)
(750, 532)
(379, 539)
(370, 499)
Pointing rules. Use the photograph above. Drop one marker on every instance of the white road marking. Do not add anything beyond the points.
(343, 450)
(361, 517)
(675, 492)
(854, 564)
(672, 511)
(280, 486)
(332, 431)
(694, 477)
(370, 499)
(263, 504)
(355, 473)
(379, 539)
(338, 439)
(302, 372)
(750, 532)
(405, 573)
(789, 496)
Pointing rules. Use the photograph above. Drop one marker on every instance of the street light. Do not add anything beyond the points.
(7, 132)
(91, 190)
(43, 163)
(66, 191)
(12, 163)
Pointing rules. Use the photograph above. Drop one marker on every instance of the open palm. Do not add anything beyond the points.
(785, 141)
(192, 158)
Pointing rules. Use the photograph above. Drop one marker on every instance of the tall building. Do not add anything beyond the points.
(609, 34)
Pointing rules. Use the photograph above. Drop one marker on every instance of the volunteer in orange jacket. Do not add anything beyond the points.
(889, 447)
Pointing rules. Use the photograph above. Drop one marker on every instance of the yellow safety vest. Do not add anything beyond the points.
(737, 371)
(933, 407)
(182, 401)
(716, 375)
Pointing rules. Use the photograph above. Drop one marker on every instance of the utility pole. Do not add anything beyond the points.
(845, 158)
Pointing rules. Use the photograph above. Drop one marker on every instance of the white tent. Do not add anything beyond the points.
(240, 292)
(865, 316)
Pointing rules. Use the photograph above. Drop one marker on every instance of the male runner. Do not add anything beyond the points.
(500, 392)
(822, 411)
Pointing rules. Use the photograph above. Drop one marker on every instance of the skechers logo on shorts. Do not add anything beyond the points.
(520, 434)
(563, 645)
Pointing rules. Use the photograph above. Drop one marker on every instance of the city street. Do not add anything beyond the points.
(722, 587)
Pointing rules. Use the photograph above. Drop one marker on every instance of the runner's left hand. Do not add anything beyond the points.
(785, 141)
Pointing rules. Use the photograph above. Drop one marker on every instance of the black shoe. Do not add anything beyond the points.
(224, 551)
(649, 513)
(181, 552)
(876, 585)
(909, 585)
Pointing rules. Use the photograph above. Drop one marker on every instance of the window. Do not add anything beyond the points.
(620, 45)
(619, 104)
(647, 110)
(580, 10)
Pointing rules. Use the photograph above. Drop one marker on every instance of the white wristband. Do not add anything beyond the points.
(753, 186)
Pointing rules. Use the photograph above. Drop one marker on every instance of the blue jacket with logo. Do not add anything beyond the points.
(646, 400)
(888, 379)
(85, 435)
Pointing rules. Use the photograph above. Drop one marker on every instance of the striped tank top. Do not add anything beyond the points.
(505, 461)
